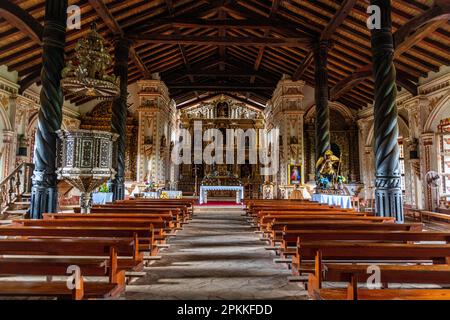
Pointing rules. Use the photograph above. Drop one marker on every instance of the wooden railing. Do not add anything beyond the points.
(15, 185)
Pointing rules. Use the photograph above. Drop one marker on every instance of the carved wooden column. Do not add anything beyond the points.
(321, 95)
(119, 116)
(388, 193)
(44, 192)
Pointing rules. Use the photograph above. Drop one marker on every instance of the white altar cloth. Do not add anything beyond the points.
(204, 192)
(345, 202)
(102, 197)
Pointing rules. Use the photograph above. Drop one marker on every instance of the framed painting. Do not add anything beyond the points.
(294, 174)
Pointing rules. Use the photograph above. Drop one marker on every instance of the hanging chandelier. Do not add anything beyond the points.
(86, 75)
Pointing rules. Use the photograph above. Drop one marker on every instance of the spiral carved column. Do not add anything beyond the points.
(388, 193)
(44, 191)
(119, 117)
(321, 96)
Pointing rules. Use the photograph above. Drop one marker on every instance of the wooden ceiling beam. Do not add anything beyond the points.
(218, 41)
(198, 8)
(221, 86)
(306, 62)
(326, 35)
(169, 5)
(22, 20)
(338, 18)
(27, 81)
(216, 23)
(273, 11)
(405, 38)
(108, 19)
(278, 25)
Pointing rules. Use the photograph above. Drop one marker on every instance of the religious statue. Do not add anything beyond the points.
(222, 110)
(326, 171)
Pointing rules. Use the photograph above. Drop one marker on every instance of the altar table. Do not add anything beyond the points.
(102, 197)
(345, 202)
(204, 192)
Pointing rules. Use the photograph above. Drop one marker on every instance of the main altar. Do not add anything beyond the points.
(222, 113)
(222, 181)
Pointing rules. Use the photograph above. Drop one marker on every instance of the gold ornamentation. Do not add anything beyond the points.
(88, 77)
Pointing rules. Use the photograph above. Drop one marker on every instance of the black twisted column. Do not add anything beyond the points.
(119, 116)
(44, 192)
(388, 193)
(321, 96)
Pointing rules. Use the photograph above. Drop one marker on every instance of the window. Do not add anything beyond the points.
(444, 157)
(402, 166)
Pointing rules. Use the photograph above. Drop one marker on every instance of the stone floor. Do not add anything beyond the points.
(216, 256)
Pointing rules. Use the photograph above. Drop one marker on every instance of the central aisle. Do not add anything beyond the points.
(216, 256)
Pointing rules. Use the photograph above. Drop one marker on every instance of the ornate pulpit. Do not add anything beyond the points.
(85, 160)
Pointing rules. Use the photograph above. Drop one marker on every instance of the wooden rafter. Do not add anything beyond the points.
(405, 37)
(106, 16)
(300, 42)
(221, 86)
(273, 11)
(247, 19)
(326, 35)
(22, 20)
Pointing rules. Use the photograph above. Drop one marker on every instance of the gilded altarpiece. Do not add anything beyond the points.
(223, 113)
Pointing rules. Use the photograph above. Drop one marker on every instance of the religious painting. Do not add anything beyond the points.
(295, 174)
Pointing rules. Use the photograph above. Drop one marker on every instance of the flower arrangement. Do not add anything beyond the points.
(164, 195)
(150, 186)
(341, 179)
(103, 188)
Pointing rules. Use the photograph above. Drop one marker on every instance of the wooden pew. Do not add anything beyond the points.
(60, 253)
(429, 216)
(53, 289)
(189, 203)
(159, 221)
(156, 226)
(146, 236)
(292, 237)
(177, 213)
(363, 251)
(279, 221)
(354, 274)
(276, 229)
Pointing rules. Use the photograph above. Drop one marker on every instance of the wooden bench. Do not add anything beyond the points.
(276, 229)
(146, 236)
(53, 256)
(292, 237)
(185, 204)
(178, 214)
(273, 222)
(354, 274)
(427, 216)
(381, 253)
(362, 251)
(156, 226)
